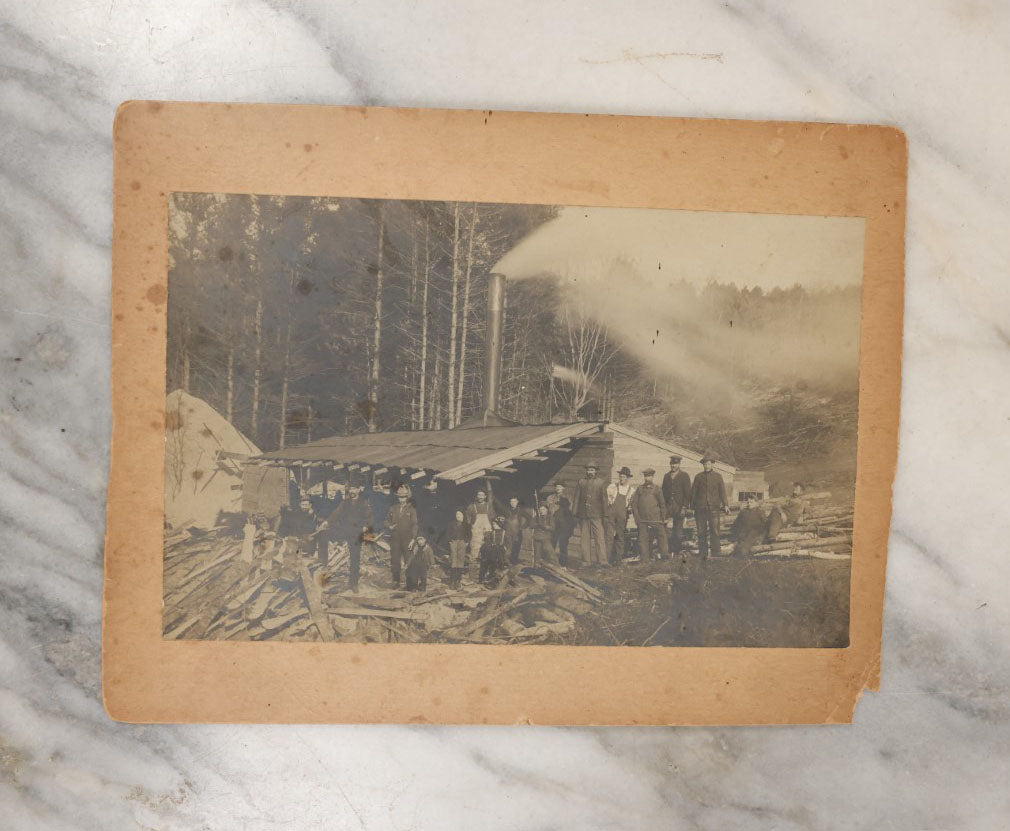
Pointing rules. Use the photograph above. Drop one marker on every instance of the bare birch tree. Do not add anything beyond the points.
(466, 313)
(375, 371)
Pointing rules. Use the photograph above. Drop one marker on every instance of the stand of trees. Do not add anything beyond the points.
(301, 317)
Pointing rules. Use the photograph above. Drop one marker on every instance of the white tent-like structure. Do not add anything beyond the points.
(204, 453)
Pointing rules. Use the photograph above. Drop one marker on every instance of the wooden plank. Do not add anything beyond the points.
(315, 601)
(470, 628)
(357, 611)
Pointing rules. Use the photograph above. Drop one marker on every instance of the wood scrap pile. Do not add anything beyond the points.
(221, 586)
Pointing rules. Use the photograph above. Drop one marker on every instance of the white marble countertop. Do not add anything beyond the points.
(931, 750)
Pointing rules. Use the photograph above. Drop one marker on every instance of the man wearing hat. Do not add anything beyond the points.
(708, 497)
(677, 494)
(349, 523)
(649, 510)
(401, 521)
(590, 506)
(618, 512)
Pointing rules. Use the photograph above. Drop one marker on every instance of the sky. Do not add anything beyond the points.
(767, 250)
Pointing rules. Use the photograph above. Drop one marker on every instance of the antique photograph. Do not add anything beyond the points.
(405, 421)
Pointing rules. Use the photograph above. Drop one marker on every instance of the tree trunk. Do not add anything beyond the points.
(451, 377)
(257, 371)
(373, 378)
(435, 420)
(422, 385)
(465, 315)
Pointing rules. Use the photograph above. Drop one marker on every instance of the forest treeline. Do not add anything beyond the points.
(301, 317)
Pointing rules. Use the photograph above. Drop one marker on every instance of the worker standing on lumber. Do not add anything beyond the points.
(457, 537)
(559, 507)
(350, 521)
(590, 506)
(677, 494)
(420, 558)
(748, 528)
(401, 521)
(708, 497)
(649, 510)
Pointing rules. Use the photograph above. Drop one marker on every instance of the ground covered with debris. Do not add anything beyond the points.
(792, 592)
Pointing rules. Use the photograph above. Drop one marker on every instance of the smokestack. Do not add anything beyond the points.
(493, 341)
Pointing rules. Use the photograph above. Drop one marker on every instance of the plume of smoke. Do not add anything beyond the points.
(665, 316)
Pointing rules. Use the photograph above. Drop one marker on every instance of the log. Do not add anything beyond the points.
(801, 553)
(314, 599)
(785, 546)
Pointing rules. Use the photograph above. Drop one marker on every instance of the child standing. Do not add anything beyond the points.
(420, 558)
(457, 535)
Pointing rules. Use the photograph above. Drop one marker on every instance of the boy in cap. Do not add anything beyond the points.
(492, 555)
(708, 496)
(420, 558)
(649, 510)
(677, 493)
(402, 524)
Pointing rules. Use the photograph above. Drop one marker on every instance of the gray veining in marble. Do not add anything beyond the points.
(931, 750)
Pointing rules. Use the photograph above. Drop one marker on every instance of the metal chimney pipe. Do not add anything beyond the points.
(493, 341)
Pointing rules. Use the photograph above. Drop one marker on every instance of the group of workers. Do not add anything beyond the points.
(493, 536)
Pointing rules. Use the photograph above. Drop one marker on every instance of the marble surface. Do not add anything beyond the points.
(931, 750)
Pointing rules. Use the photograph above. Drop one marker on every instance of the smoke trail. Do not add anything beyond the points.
(666, 313)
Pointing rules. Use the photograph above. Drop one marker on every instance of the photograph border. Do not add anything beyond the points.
(482, 156)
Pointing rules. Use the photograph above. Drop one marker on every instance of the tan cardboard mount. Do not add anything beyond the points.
(484, 156)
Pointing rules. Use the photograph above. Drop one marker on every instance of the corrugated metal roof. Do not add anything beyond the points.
(435, 450)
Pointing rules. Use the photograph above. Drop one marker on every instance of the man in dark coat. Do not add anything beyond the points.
(748, 528)
(348, 524)
(516, 519)
(402, 524)
(590, 505)
(563, 522)
(649, 509)
(677, 494)
(708, 497)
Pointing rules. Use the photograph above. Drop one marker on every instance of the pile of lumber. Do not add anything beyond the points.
(825, 532)
(218, 588)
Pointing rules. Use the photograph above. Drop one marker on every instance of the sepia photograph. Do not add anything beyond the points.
(409, 421)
